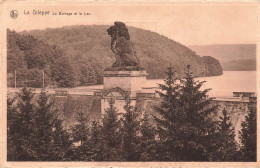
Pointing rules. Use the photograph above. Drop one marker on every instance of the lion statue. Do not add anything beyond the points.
(121, 46)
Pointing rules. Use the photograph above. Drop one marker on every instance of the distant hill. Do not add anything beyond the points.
(154, 50)
(233, 57)
(86, 51)
(240, 65)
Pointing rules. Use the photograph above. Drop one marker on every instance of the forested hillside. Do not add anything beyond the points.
(77, 55)
(31, 58)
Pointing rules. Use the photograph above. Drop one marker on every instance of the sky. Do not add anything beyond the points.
(187, 23)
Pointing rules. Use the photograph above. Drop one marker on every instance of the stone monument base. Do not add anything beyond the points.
(121, 86)
(130, 81)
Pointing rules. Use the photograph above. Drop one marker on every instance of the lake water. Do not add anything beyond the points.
(226, 84)
(222, 86)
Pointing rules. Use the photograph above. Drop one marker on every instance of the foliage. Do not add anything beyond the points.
(34, 78)
(96, 141)
(61, 141)
(88, 53)
(197, 127)
(148, 143)
(183, 123)
(167, 121)
(81, 130)
(182, 129)
(11, 126)
(63, 73)
(248, 136)
(35, 132)
(211, 65)
(130, 130)
(43, 128)
(226, 146)
(111, 137)
(81, 133)
(25, 126)
(30, 57)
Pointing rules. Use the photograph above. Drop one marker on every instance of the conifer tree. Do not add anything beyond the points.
(80, 130)
(61, 141)
(50, 140)
(11, 111)
(167, 122)
(248, 136)
(196, 126)
(80, 133)
(184, 125)
(226, 146)
(24, 129)
(96, 141)
(11, 126)
(148, 143)
(43, 128)
(130, 128)
(111, 138)
(35, 131)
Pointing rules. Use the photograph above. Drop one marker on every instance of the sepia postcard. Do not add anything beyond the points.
(129, 83)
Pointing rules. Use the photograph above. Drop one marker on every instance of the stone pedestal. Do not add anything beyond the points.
(130, 81)
(121, 85)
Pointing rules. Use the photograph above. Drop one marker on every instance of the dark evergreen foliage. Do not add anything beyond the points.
(96, 141)
(167, 121)
(61, 141)
(80, 134)
(183, 129)
(24, 130)
(81, 130)
(35, 132)
(111, 137)
(248, 136)
(196, 126)
(184, 125)
(130, 130)
(226, 146)
(11, 129)
(148, 143)
(43, 126)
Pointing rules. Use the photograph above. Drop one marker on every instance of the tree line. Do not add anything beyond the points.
(29, 60)
(77, 55)
(183, 129)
